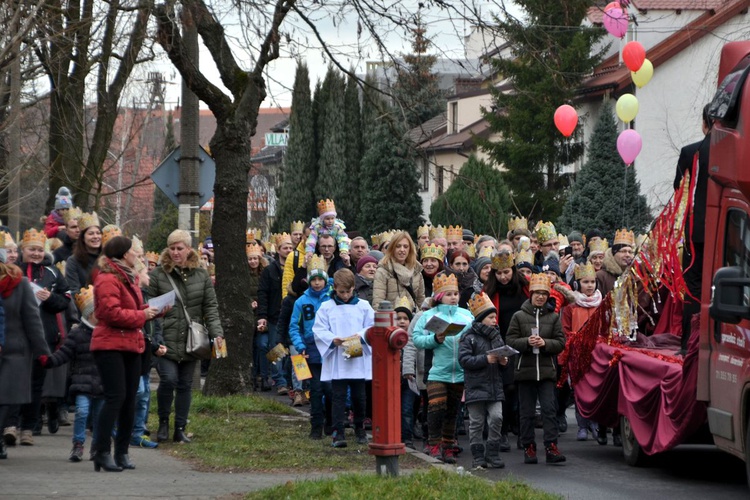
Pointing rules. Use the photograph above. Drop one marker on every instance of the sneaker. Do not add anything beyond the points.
(10, 435)
(316, 433)
(76, 454)
(339, 440)
(553, 454)
(529, 454)
(299, 399)
(434, 451)
(449, 454)
(281, 391)
(562, 423)
(582, 435)
(601, 436)
(143, 442)
(361, 436)
(27, 438)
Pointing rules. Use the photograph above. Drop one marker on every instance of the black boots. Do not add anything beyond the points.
(103, 460)
(179, 435)
(477, 455)
(163, 433)
(123, 460)
(493, 455)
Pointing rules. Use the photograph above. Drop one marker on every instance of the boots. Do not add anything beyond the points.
(123, 460)
(180, 436)
(477, 454)
(104, 460)
(504, 443)
(493, 455)
(163, 433)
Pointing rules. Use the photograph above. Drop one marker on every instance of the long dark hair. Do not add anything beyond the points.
(516, 284)
(80, 252)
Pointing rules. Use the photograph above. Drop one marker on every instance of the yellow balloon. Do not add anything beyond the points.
(627, 107)
(643, 75)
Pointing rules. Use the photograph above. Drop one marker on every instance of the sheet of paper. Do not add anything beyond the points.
(439, 325)
(413, 385)
(35, 288)
(301, 368)
(505, 350)
(162, 301)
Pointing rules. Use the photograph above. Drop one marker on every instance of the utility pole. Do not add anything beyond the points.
(189, 137)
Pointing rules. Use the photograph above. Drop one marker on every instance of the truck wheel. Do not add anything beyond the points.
(631, 450)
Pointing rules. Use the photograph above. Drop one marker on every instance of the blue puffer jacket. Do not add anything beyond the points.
(303, 319)
(445, 365)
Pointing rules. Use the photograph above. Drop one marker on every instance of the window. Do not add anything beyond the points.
(737, 246)
(425, 175)
(454, 117)
(440, 181)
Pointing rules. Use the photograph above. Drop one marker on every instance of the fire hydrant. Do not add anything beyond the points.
(386, 341)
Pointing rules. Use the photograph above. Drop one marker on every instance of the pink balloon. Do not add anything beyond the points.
(616, 22)
(629, 144)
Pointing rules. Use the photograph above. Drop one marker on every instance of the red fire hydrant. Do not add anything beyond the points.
(386, 341)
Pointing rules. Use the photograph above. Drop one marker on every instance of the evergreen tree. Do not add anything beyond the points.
(372, 111)
(477, 199)
(297, 200)
(317, 115)
(389, 184)
(165, 212)
(606, 194)
(349, 197)
(551, 54)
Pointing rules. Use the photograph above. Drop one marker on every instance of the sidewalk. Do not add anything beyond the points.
(43, 471)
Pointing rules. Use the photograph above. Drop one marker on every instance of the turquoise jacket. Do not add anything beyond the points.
(445, 365)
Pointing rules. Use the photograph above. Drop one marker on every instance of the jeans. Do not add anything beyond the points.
(264, 341)
(320, 410)
(478, 410)
(85, 406)
(120, 372)
(296, 384)
(359, 401)
(175, 378)
(528, 392)
(407, 411)
(142, 399)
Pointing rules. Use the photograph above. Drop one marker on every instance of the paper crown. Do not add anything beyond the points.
(455, 233)
(7, 238)
(137, 245)
(563, 240)
(61, 267)
(72, 214)
(502, 260)
(444, 283)
(524, 257)
(518, 224)
(87, 220)
(84, 300)
(539, 283)
(403, 302)
(254, 249)
(624, 237)
(585, 271)
(486, 252)
(317, 267)
(432, 252)
(297, 226)
(387, 236)
(598, 246)
(110, 231)
(480, 303)
(437, 232)
(423, 231)
(375, 238)
(253, 234)
(471, 250)
(152, 257)
(268, 246)
(281, 238)
(32, 237)
(326, 206)
(545, 231)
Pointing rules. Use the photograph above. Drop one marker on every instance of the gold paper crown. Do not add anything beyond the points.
(423, 231)
(486, 252)
(32, 237)
(437, 232)
(624, 237)
(297, 226)
(432, 252)
(479, 303)
(281, 238)
(152, 257)
(539, 283)
(137, 245)
(61, 267)
(253, 234)
(404, 302)
(268, 246)
(325, 206)
(254, 249)
(3, 238)
(444, 283)
(471, 250)
(598, 246)
(524, 257)
(518, 224)
(7, 238)
(455, 233)
(85, 298)
(585, 272)
(375, 238)
(317, 263)
(72, 214)
(110, 231)
(86, 220)
(387, 236)
(563, 240)
(545, 231)
(502, 261)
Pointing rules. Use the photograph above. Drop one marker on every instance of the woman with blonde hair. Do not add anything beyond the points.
(399, 273)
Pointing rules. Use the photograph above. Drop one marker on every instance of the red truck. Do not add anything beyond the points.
(661, 399)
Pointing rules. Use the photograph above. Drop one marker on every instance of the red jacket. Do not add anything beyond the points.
(52, 224)
(118, 306)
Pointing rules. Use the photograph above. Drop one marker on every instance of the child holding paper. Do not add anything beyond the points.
(483, 381)
(341, 322)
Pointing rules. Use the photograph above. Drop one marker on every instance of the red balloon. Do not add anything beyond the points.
(633, 54)
(566, 119)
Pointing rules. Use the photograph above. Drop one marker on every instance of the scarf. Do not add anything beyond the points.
(129, 272)
(486, 331)
(9, 283)
(588, 302)
(340, 302)
(465, 280)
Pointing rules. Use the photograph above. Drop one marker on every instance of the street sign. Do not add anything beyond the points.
(275, 139)
(167, 176)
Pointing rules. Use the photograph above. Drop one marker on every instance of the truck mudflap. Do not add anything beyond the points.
(646, 383)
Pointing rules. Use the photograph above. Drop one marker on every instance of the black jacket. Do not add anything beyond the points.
(685, 164)
(363, 289)
(269, 293)
(65, 250)
(285, 316)
(47, 276)
(84, 375)
(483, 381)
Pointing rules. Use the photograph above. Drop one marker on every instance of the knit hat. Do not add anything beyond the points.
(552, 263)
(480, 306)
(468, 235)
(317, 268)
(377, 254)
(593, 233)
(364, 260)
(479, 263)
(63, 198)
(576, 236)
(179, 236)
(208, 243)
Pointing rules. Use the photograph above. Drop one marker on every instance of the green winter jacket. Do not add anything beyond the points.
(530, 366)
(195, 287)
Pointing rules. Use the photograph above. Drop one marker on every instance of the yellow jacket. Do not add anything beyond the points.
(290, 269)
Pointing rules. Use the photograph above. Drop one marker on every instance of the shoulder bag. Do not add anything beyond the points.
(198, 344)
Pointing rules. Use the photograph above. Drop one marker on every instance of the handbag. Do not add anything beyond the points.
(198, 344)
